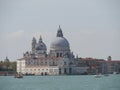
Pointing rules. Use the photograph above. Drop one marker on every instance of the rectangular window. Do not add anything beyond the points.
(60, 54)
(57, 55)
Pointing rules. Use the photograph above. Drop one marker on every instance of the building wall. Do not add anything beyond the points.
(113, 66)
(42, 70)
(79, 70)
(21, 66)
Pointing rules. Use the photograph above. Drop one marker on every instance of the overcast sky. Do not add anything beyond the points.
(92, 27)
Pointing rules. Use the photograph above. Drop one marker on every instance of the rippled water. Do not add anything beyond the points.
(88, 82)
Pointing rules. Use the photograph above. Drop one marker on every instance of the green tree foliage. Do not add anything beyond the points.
(7, 66)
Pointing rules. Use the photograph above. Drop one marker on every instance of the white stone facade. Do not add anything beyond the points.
(42, 70)
(21, 66)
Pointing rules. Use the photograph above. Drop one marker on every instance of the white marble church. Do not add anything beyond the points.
(59, 61)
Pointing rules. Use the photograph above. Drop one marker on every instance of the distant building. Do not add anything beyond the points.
(94, 65)
(113, 65)
(59, 61)
(100, 65)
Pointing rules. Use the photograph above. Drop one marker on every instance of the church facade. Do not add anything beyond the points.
(59, 61)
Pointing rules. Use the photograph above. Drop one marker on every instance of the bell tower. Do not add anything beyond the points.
(34, 42)
(109, 58)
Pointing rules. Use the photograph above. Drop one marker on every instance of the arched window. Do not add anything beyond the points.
(53, 63)
(59, 70)
(65, 71)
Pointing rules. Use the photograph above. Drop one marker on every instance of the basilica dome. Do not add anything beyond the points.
(59, 42)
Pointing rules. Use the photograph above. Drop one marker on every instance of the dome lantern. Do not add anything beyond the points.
(40, 40)
(59, 32)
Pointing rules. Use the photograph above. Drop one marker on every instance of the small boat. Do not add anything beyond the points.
(98, 76)
(18, 76)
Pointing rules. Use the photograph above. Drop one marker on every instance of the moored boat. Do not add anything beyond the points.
(18, 75)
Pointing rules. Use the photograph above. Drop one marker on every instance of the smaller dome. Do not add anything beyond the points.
(41, 45)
